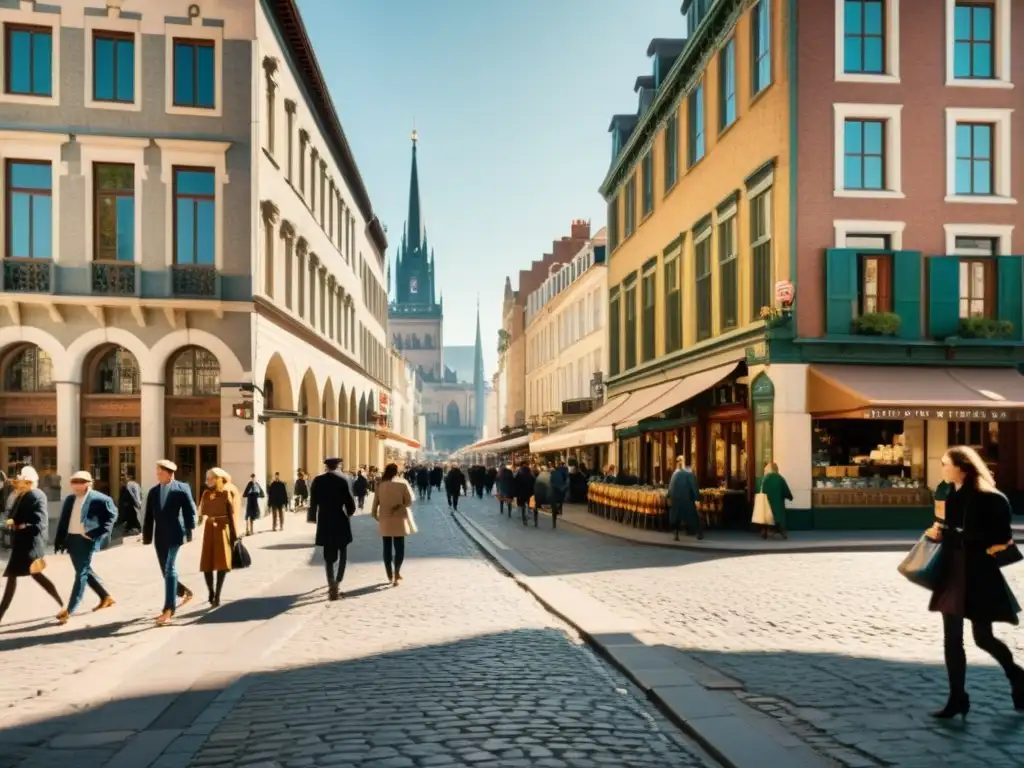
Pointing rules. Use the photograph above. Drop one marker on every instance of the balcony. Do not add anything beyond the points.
(28, 276)
(114, 278)
(195, 281)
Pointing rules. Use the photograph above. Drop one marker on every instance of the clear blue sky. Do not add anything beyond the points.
(512, 102)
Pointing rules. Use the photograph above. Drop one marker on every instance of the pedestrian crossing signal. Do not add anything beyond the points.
(243, 411)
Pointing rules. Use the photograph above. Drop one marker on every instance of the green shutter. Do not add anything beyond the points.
(1010, 283)
(906, 289)
(840, 290)
(943, 296)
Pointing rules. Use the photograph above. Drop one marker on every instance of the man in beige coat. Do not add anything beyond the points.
(392, 509)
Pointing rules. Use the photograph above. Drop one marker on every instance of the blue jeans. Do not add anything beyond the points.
(168, 559)
(82, 551)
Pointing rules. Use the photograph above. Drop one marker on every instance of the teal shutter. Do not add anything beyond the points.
(906, 291)
(840, 290)
(943, 296)
(1010, 284)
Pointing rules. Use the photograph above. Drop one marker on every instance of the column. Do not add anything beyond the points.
(936, 437)
(69, 432)
(791, 431)
(237, 447)
(153, 444)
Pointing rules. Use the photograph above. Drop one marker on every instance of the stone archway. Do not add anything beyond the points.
(278, 396)
(309, 432)
(329, 411)
(352, 440)
(343, 432)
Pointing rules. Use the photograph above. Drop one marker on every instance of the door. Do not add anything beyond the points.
(185, 458)
(208, 458)
(100, 468)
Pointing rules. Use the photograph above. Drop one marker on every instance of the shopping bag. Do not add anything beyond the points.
(762, 511)
(922, 565)
(240, 557)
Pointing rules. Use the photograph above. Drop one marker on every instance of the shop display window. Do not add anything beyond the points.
(629, 463)
(866, 454)
(727, 454)
(982, 436)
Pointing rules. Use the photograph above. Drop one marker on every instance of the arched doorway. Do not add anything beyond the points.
(111, 417)
(370, 436)
(309, 433)
(329, 434)
(360, 436)
(28, 412)
(451, 414)
(343, 432)
(192, 409)
(352, 441)
(280, 442)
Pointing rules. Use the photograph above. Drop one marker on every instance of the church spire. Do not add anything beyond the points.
(414, 223)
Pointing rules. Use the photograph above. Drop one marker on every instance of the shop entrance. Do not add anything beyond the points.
(194, 461)
(111, 465)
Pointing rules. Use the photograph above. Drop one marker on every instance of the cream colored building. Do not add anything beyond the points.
(565, 334)
(405, 411)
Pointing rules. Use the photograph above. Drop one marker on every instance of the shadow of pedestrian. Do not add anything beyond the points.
(70, 635)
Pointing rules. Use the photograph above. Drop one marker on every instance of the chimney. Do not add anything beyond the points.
(580, 230)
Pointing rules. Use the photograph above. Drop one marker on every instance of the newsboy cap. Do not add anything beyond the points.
(167, 464)
(81, 476)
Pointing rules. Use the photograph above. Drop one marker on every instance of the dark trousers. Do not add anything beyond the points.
(82, 551)
(423, 491)
(956, 659)
(359, 501)
(453, 500)
(524, 509)
(168, 559)
(12, 585)
(334, 555)
(395, 545)
(277, 516)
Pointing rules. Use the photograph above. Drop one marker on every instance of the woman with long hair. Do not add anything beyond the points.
(217, 507)
(391, 509)
(971, 587)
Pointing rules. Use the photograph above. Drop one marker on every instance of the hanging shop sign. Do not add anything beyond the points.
(954, 413)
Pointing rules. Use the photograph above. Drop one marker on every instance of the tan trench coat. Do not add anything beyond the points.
(391, 508)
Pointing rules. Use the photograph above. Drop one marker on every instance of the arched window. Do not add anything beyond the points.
(268, 395)
(451, 414)
(116, 373)
(29, 369)
(195, 373)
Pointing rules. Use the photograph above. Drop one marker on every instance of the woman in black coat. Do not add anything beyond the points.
(28, 523)
(523, 484)
(971, 587)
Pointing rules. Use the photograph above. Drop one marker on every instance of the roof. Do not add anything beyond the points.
(293, 31)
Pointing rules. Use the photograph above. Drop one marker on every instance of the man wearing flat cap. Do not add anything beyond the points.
(330, 506)
(169, 522)
(86, 520)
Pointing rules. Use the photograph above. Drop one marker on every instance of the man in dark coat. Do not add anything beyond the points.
(360, 487)
(87, 519)
(169, 522)
(423, 482)
(277, 500)
(454, 484)
(506, 489)
(523, 484)
(683, 495)
(491, 479)
(436, 477)
(330, 507)
(129, 506)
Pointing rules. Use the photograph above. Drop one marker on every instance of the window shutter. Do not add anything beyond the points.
(906, 281)
(943, 296)
(1010, 286)
(840, 290)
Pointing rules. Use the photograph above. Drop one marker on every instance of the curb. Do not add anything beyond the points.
(482, 540)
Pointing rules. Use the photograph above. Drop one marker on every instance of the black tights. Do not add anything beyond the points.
(215, 590)
(12, 586)
(334, 577)
(398, 542)
(956, 659)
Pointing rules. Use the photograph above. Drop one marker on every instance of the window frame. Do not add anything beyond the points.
(990, 293)
(116, 194)
(892, 115)
(973, 160)
(885, 290)
(670, 148)
(704, 240)
(760, 50)
(864, 155)
(9, 191)
(1002, 160)
(196, 33)
(727, 86)
(728, 222)
(9, 28)
(615, 331)
(1002, 47)
(696, 129)
(194, 45)
(756, 242)
(630, 298)
(175, 170)
(647, 190)
(116, 36)
(649, 337)
(629, 207)
(891, 20)
(673, 294)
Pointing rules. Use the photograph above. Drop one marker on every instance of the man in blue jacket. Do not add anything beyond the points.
(169, 523)
(86, 520)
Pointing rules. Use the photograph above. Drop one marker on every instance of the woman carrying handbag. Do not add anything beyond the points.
(392, 510)
(219, 534)
(976, 539)
(770, 502)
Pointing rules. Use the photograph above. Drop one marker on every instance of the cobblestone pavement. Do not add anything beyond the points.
(837, 646)
(456, 667)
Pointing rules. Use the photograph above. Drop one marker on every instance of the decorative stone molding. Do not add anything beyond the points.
(289, 107)
(270, 212)
(323, 271)
(314, 260)
(287, 230)
(301, 246)
(270, 65)
(331, 283)
(303, 135)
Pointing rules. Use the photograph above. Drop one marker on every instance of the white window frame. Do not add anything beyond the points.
(33, 145)
(1003, 160)
(194, 31)
(25, 15)
(1004, 72)
(891, 229)
(197, 154)
(1001, 232)
(892, 46)
(893, 116)
(111, 23)
(112, 149)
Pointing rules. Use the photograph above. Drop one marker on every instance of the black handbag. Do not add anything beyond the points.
(240, 557)
(1007, 554)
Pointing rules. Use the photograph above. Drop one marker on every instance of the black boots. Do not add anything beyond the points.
(958, 704)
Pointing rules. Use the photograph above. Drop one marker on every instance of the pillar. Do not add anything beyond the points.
(237, 448)
(69, 431)
(936, 439)
(153, 444)
(791, 431)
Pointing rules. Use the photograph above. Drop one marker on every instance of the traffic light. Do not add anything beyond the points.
(243, 411)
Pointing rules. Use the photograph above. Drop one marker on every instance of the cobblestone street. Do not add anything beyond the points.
(838, 647)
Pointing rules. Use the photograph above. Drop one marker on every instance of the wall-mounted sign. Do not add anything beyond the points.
(955, 413)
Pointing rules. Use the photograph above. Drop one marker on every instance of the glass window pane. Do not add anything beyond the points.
(20, 55)
(853, 55)
(874, 173)
(962, 22)
(983, 60)
(185, 248)
(962, 55)
(184, 74)
(195, 183)
(125, 70)
(963, 141)
(21, 205)
(982, 141)
(982, 177)
(42, 64)
(852, 137)
(205, 76)
(965, 282)
(983, 22)
(853, 17)
(125, 229)
(42, 227)
(873, 17)
(873, 138)
(874, 54)
(106, 227)
(205, 232)
(977, 279)
(963, 177)
(852, 173)
(103, 69)
(30, 175)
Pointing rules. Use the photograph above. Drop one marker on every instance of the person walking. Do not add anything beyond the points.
(220, 532)
(392, 509)
(506, 488)
(28, 524)
(277, 500)
(454, 484)
(776, 489)
(253, 493)
(330, 507)
(301, 495)
(524, 483)
(87, 518)
(423, 482)
(971, 586)
(360, 487)
(129, 506)
(169, 522)
(436, 477)
(492, 478)
(559, 490)
(683, 495)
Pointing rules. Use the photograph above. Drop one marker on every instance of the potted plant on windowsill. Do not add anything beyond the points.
(984, 328)
(877, 324)
(776, 317)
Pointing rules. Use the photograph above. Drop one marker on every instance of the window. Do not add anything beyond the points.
(303, 142)
(702, 262)
(630, 204)
(673, 306)
(314, 162)
(195, 373)
(727, 85)
(864, 154)
(29, 210)
(631, 325)
(977, 275)
(728, 276)
(194, 73)
(29, 370)
(761, 251)
(975, 171)
(648, 173)
(114, 211)
(29, 60)
(978, 42)
(649, 286)
(117, 373)
(194, 216)
(671, 151)
(761, 46)
(113, 67)
(864, 37)
(695, 107)
(874, 272)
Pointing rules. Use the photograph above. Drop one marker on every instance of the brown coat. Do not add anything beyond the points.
(391, 508)
(219, 510)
